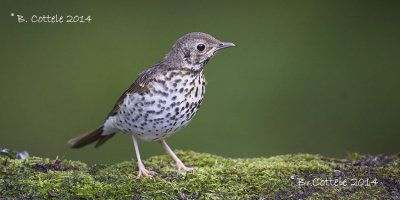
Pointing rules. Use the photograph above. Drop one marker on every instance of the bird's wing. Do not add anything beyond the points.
(140, 85)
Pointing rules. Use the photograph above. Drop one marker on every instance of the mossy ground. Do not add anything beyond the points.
(299, 176)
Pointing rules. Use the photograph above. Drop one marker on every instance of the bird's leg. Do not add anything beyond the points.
(142, 170)
(179, 165)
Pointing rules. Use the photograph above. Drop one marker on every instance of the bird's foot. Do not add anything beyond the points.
(180, 166)
(144, 171)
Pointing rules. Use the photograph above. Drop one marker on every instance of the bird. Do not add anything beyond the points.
(162, 100)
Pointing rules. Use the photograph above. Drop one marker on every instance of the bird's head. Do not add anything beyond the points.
(194, 50)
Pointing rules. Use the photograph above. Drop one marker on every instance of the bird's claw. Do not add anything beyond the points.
(180, 166)
(145, 172)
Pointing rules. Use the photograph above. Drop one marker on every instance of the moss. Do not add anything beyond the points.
(299, 176)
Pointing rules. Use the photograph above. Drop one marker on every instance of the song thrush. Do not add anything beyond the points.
(162, 100)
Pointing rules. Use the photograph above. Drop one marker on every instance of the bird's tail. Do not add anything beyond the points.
(90, 137)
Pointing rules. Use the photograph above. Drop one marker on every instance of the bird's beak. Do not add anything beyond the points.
(221, 45)
(224, 45)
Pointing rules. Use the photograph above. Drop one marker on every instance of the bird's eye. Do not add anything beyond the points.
(201, 47)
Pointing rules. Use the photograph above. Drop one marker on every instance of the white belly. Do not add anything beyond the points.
(168, 107)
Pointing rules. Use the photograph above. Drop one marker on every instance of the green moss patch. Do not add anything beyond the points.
(299, 176)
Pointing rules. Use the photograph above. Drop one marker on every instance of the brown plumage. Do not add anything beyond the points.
(163, 99)
(90, 137)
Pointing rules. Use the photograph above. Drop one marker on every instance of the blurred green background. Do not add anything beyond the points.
(306, 76)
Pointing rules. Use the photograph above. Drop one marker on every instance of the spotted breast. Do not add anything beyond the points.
(169, 104)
